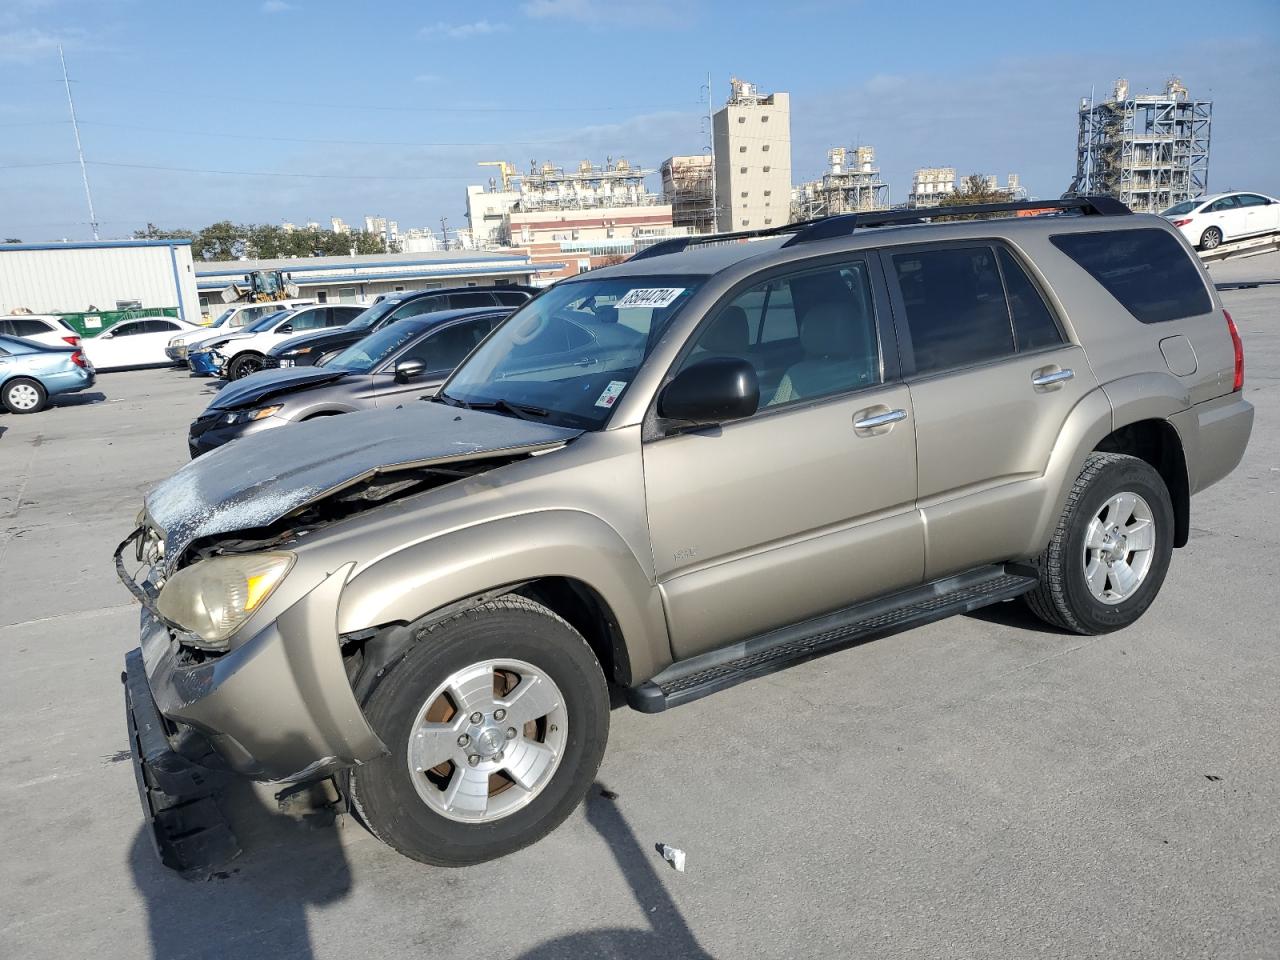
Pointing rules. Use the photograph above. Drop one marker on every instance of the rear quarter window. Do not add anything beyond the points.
(1148, 271)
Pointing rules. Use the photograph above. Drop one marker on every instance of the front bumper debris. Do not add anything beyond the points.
(186, 825)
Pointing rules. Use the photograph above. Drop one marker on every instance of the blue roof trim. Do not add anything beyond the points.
(94, 245)
(512, 259)
(513, 269)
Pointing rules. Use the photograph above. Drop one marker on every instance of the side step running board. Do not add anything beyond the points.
(708, 673)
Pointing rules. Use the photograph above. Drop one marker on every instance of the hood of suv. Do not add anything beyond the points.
(271, 383)
(262, 478)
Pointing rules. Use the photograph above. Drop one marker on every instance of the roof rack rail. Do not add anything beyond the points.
(678, 244)
(843, 224)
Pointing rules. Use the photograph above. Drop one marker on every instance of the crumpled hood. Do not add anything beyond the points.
(270, 383)
(263, 477)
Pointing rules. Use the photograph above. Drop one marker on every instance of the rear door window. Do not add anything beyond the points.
(955, 306)
(480, 298)
(1033, 325)
(510, 298)
(28, 328)
(1147, 270)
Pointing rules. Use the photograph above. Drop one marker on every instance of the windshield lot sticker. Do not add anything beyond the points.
(614, 388)
(650, 297)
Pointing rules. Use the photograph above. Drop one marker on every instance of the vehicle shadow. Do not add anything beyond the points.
(669, 935)
(77, 399)
(255, 907)
(1014, 613)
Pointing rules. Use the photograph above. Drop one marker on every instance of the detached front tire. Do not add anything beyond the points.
(496, 720)
(1111, 549)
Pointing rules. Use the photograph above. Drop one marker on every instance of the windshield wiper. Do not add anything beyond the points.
(441, 397)
(524, 411)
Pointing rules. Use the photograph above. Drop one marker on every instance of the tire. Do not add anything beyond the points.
(23, 395)
(404, 805)
(244, 365)
(1211, 239)
(1101, 496)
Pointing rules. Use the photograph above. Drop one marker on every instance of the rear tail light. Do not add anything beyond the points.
(78, 359)
(1182, 223)
(1238, 346)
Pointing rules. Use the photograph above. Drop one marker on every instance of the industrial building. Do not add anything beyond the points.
(751, 136)
(99, 275)
(1148, 151)
(931, 186)
(351, 279)
(688, 185)
(851, 184)
(569, 220)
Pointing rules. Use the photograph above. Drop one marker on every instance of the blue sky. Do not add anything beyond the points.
(387, 107)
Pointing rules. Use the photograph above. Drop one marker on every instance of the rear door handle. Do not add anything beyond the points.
(1048, 378)
(879, 420)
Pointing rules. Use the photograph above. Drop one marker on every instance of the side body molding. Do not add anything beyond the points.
(442, 570)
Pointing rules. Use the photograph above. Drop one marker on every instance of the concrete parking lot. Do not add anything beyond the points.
(981, 787)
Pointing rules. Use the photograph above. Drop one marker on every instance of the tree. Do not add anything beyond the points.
(225, 240)
(975, 188)
(12, 239)
(152, 232)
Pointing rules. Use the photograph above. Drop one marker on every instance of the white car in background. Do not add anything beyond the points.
(42, 328)
(232, 319)
(243, 353)
(1208, 222)
(134, 343)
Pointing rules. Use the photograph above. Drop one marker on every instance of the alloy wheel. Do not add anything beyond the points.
(1119, 547)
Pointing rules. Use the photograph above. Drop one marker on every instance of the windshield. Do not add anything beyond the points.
(1179, 209)
(373, 314)
(570, 354)
(362, 357)
(222, 318)
(266, 322)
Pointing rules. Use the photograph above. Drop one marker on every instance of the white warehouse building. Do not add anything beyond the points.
(100, 275)
(365, 276)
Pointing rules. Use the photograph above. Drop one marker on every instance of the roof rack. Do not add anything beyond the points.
(843, 224)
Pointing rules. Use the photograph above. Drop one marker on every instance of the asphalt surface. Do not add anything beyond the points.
(981, 787)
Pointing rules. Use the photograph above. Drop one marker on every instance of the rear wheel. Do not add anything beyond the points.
(23, 395)
(1211, 238)
(244, 365)
(496, 721)
(1111, 549)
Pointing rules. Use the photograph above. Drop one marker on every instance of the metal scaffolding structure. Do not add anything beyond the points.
(590, 186)
(1149, 151)
(845, 188)
(688, 184)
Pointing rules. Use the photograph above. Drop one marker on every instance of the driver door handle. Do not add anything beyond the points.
(1047, 378)
(875, 420)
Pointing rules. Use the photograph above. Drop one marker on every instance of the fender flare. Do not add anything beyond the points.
(432, 574)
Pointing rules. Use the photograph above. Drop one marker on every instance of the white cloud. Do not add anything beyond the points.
(461, 31)
(23, 46)
(277, 6)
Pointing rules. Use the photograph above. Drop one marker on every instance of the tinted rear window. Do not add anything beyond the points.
(1148, 271)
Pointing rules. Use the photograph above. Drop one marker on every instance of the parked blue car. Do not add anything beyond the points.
(32, 372)
(203, 361)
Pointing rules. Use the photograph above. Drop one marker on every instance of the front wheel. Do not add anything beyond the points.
(244, 365)
(1111, 549)
(496, 722)
(1211, 239)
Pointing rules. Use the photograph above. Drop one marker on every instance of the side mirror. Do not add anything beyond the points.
(287, 328)
(406, 370)
(106, 336)
(713, 391)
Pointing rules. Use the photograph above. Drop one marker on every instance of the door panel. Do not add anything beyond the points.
(782, 517)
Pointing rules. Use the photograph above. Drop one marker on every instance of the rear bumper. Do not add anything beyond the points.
(72, 381)
(1223, 427)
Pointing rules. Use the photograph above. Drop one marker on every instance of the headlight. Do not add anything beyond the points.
(177, 342)
(248, 416)
(214, 597)
(296, 352)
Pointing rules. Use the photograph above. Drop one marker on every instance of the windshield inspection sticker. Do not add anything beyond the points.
(650, 297)
(612, 391)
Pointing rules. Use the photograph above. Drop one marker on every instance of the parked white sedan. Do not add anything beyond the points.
(241, 354)
(42, 328)
(1219, 218)
(134, 343)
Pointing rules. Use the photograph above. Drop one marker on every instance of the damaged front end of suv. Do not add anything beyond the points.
(240, 666)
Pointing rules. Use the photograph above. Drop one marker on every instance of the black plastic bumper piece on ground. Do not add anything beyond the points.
(187, 827)
(708, 673)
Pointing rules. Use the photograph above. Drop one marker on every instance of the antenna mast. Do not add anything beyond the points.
(84, 174)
